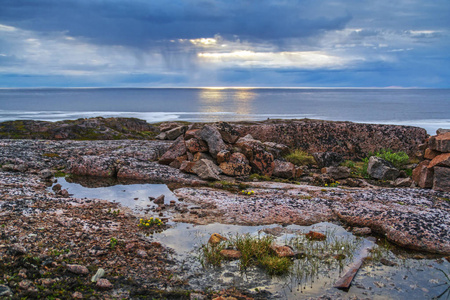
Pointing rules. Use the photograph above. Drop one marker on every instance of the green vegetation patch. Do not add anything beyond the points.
(300, 158)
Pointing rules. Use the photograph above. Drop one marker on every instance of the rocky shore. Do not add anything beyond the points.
(52, 244)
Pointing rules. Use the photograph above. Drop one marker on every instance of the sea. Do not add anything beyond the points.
(426, 108)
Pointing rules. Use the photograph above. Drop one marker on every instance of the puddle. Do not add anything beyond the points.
(411, 278)
(135, 196)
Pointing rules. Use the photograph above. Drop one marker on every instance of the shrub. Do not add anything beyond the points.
(398, 159)
(300, 158)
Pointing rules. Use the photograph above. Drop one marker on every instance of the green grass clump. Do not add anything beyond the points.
(300, 158)
(259, 177)
(275, 265)
(398, 159)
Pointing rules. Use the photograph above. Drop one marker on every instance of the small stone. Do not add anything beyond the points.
(5, 290)
(17, 249)
(45, 174)
(57, 187)
(104, 284)
(315, 236)
(387, 262)
(216, 238)
(362, 231)
(159, 200)
(231, 254)
(64, 193)
(141, 253)
(100, 273)
(77, 269)
(197, 296)
(77, 295)
(25, 284)
(283, 251)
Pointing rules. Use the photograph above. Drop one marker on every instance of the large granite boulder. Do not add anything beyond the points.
(328, 159)
(195, 145)
(441, 179)
(206, 169)
(337, 172)
(228, 133)
(261, 161)
(423, 175)
(277, 150)
(381, 169)
(284, 169)
(440, 142)
(177, 149)
(212, 137)
(237, 165)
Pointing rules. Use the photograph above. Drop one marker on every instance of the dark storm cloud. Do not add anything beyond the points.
(140, 23)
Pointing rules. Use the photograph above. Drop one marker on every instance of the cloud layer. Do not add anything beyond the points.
(224, 43)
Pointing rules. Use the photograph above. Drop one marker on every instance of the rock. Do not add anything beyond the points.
(25, 284)
(228, 133)
(192, 133)
(223, 156)
(238, 158)
(282, 251)
(298, 172)
(216, 239)
(174, 133)
(361, 231)
(100, 273)
(380, 169)
(197, 296)
(159, 200)
(328, 159)
(177, 149)
(64, 193)
(235, 169)
(212, 137)
(166, 126)
(104, 284)
(336, 172)
(442, 160)
(440, 142)
(402, 182)
(176, 163)
(422, 175)
(442, 131)
(77, 269)
(202, 155)
(186, 167)
(46, 174)
(18, 249)
(77, 295)
(141, 253)
(92, 165)
(206, 169)
(284, 169)
(161, 136)
(315, 236)
(195, 145)
(261, 161)
(56, 188)
(388, 263)
(441, 180)
(5, 290)
(277, 150)
(231, 254)
(430, 154)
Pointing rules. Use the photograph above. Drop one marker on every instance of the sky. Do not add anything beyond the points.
(225, 43)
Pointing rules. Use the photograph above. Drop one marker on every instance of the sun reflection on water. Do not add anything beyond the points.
(219, 101)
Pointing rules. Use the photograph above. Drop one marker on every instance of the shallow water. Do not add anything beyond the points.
(412, 278)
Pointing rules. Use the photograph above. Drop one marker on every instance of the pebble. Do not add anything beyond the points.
(78, 269)
(104, 284)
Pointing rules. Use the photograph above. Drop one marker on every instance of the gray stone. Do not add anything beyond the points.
(177, 149)
(104, 284)
(45, 174)
(77, 269)
(361, 231)
(402, 182)
(327, 159)
(212, 137)
(5, 290)
(174, 133)
(441, 181)
(206, 169)
(380, 169)
(283, 169)
(337, 172)
(100, 273)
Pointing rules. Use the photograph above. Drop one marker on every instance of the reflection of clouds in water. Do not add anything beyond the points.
(236, 101)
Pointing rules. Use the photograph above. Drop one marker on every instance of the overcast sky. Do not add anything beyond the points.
(194, 43)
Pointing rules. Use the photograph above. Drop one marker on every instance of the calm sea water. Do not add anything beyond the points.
(426, 108)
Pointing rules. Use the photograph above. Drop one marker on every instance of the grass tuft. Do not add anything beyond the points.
(300, 158)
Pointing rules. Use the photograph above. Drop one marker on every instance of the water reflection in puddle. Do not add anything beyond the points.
(135, 196)
(410, 279)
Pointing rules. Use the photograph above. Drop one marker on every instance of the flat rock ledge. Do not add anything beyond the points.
(412, 218)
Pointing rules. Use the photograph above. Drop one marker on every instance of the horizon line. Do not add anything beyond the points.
(224, 87)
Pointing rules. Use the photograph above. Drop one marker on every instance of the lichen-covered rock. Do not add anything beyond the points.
(440, 142)
(277, 150)
(442, 160)
(441, 180)
(284, 169)
(177, 149)
(261, 161)
(282, 251)
(186, 167)
(423, 175)
(235, 169)
(223, 156)
(176, 163)
(228, 133)
(212, 137)
(174, 133)
(92, 165)
(206, 169)
(327, 159)
(195, 145)
(336, 172)
(381, 169)
(430, 154)
(202, 155)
